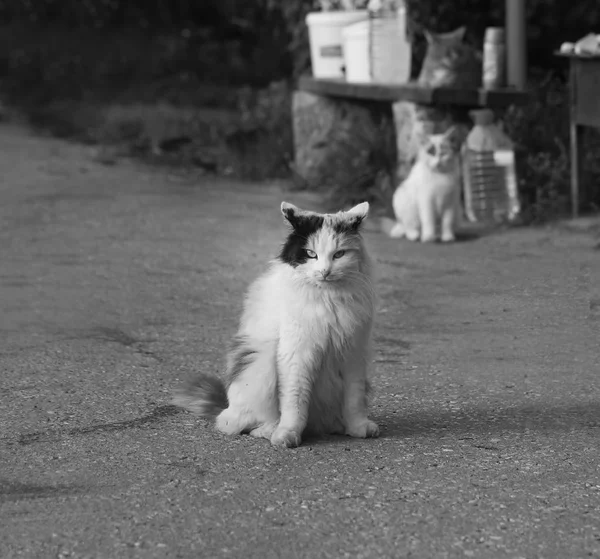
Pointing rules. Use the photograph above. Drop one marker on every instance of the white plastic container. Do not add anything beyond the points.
(356, 52)
(326, 40)
(494, 58)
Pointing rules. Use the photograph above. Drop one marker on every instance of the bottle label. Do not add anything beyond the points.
(331, 51)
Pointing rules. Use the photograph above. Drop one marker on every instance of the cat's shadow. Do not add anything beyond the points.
(475, 232)
(483, 420)
(479, 422)
(469, 236)
(467, 232)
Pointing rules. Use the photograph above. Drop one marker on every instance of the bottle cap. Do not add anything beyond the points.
(482, 116)
(494, 35)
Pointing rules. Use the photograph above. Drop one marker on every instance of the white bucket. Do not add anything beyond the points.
(356, 52)
(326, 42)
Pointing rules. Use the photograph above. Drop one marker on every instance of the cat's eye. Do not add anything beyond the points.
(431, 150)
(311, 253)
(339, 254)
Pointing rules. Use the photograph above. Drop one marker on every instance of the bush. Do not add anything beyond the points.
(541, 134)
(262, 141)
(180, 53)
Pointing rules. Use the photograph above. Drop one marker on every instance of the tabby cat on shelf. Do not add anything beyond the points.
(449, 62)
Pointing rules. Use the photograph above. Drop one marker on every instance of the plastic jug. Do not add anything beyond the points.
(489, 172)
(356, 52)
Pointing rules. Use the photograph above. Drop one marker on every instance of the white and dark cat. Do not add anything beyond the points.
(427, 203)
(298, 363)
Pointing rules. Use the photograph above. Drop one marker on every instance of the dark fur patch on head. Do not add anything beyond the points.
(240, 356)
(349, 225)
(293, 251)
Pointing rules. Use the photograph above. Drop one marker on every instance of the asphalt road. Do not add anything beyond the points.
(118, 281)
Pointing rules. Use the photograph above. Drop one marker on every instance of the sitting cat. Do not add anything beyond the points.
(298, 363)
(430, 195)
(449, 62)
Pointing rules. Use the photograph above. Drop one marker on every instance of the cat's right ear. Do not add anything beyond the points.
(459, 33)
(290, 212)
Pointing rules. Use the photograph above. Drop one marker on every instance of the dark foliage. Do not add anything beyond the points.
(60, 59)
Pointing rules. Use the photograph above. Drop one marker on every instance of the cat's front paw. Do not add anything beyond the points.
(285, 438)
(397, 231)
(228, 422)
(448, 238)
(265, 431)
(427, 238)
(412, 235)
(363, 429)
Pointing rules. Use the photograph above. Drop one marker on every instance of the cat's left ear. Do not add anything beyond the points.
(459, 33)
(451, 132)
(290, 212)
(455, 136)
(357, 214)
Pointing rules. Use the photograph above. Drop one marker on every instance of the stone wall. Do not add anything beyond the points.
(339, 142)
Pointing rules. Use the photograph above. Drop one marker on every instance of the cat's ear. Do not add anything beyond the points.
(458, 34)
(429, 36)
(424, 139)
(451, 131)
(360, 210)
(290, 212)
(455, 135)
(356, 215)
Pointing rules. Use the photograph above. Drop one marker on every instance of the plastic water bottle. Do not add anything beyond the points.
(489, 172)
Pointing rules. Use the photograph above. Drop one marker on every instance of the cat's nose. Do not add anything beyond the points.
(325, 273)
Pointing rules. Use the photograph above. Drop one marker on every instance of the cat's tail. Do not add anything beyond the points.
(203, 395)
(392, 228)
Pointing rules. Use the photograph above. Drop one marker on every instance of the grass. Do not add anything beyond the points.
(167, 97)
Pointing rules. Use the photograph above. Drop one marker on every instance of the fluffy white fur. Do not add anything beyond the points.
(299, 360)
(427, 203)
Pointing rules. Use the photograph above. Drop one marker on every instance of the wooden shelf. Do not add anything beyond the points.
(583, 56)
(414, 92)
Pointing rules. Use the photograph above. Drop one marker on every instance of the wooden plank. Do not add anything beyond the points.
(578, 56)
(367, 91)
(413, 92)
(500, 98)
(575, 134)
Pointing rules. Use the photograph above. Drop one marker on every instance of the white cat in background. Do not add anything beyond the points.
(427, 204)
(298, 363)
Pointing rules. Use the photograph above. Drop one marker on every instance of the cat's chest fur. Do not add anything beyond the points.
(330, 319)
(423, 181)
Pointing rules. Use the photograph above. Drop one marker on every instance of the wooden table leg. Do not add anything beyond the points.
(576, 137)
(575, 168)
